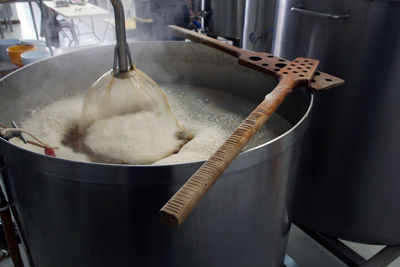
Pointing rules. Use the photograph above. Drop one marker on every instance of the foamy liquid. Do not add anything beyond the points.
(210, 116)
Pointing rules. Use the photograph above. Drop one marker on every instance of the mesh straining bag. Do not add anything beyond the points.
(125, 116)
(111, 96)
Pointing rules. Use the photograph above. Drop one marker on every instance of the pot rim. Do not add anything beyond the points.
(292, 130)
(248, 158)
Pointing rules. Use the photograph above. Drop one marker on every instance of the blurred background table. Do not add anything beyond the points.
(74, 11)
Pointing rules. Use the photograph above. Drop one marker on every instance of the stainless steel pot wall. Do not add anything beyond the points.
(82, 214)
(350, 186)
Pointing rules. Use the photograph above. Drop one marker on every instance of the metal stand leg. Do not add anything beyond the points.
(383, 257)
(348, 256)
(8, 226)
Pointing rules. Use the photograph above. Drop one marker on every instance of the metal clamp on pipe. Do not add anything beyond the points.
(319, 14)
(122, 55)
(13, 134)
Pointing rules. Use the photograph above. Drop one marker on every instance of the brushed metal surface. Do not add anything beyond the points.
(226, 18)
(350, 186)
(258, 25)
(84, 214)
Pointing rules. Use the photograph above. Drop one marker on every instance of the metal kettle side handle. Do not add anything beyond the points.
(319, 14)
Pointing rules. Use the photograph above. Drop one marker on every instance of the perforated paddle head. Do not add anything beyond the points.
(272, 65)
(260, 61)
(299, 70)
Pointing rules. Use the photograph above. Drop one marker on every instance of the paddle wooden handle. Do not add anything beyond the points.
(203, 39)
(174, 212)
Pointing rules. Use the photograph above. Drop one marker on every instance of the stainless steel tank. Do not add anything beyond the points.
(226, 18)
(85, 214)
(248, 23)
(350, 186)
(258, 25)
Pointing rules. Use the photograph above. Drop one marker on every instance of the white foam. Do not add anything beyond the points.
(139, 138)
(207, 114)
(51, 123)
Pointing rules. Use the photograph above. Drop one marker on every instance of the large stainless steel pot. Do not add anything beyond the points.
(82, 214)
(350, 186)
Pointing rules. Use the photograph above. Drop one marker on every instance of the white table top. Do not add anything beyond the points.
(75, 11)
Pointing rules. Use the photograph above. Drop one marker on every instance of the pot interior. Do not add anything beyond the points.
(166, 62)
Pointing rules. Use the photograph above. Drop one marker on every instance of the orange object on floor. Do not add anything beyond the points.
(14, 52)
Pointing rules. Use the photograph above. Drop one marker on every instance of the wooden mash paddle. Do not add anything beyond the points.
(299, 72)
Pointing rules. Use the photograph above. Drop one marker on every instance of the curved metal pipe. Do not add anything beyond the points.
(122, 56)
(319, 14)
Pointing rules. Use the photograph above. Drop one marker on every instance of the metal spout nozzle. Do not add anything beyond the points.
(122, 57)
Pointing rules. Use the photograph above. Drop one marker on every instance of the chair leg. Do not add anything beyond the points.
(64, 35)
(73, 32)
(10, 24)
(74, 36)
(105, 31)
